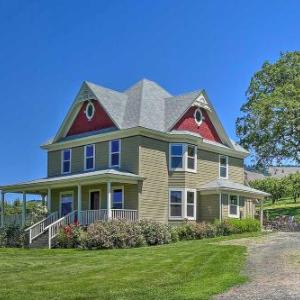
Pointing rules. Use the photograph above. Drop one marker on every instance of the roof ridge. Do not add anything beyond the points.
(186, 93)
(89, 83)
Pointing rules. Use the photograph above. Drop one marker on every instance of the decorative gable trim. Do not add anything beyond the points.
(200, 101)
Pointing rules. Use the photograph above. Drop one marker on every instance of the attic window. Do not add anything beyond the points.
(198, 116)
(90, 111)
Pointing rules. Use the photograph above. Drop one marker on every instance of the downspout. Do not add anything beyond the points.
(220, 207)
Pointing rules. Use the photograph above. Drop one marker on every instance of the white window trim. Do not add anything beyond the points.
(85, 157)
(227, 166)
(90, 103)
(112, 196)
(184, 158)
(196, 110)
(62, 161)
(110, 154)
(60, 200)
(90, 197)
(237, 216)
(183, 203)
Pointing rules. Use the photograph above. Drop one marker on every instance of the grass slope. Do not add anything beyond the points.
(185, 270)
(283, 207)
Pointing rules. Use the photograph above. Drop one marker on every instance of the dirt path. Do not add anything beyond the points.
(273, 267)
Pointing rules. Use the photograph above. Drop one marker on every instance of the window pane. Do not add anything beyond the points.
(176, 150)
(117, 199)
(233, 209)
(115, 159)
(190, 210)
(67, 154)
(233, 200)
(191, 151)
(190, 197)
(90, 163)
(223, 172)
(176, 162)
(66, 168)
(175, 210)
(176, 196)
(115, 147)
(89, 151)
(191, 163)
(223, 160)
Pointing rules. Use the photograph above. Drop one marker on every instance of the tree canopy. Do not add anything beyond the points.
(270, 122)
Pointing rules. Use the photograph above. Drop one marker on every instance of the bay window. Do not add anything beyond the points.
(182, 204)
(66, 161)
(183, 157)
(223, 166)
(89, 157)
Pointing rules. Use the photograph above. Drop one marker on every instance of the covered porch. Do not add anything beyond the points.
(99, 195)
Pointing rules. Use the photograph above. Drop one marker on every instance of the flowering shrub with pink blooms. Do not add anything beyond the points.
(69, 236)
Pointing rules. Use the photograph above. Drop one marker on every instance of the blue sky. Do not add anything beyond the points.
(47, 48)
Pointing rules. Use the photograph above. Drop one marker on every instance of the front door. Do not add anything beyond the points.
(66, 204)
(95, 200)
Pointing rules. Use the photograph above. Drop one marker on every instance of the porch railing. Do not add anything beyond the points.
(128, 214)
(39, 228)
(88, 217)
(55, 227)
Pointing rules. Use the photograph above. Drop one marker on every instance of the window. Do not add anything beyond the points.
(66, 203)
(190, 204)
(183, 157)
(223, 166)
(90, 111)
(114, 154)
(89, 161)
(182, 204)
(176, 204)
(117, 198)
(233, 206)
(198, 116)
(66, 161)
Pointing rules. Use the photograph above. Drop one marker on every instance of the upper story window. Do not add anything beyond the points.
(223, 165)
(90, 111)
(183, 157)
(89, 157)
(182, 204)
(66, 161)
(115, 154)
(198, 116)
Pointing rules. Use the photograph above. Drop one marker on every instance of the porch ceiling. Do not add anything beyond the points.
(43, 184)
(224, 185)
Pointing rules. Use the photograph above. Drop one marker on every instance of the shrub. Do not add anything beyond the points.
(192, 231)
(12, 236)
(69, 236)
(244, 225)
(156, 233)
(225, 228)
(113, 234)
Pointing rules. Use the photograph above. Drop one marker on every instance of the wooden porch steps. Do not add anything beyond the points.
(41, 241)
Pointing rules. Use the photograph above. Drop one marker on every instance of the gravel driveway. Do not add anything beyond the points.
(273, 267)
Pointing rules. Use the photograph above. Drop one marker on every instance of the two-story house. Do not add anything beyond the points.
(143, 154)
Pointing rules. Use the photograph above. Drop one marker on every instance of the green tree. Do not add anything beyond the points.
(293, 185)
(270, 123)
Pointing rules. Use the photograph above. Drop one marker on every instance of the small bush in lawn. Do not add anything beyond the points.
(12, 236)
(156, 233)
(113, 234)
(245, 225)
(69, 236)
(225, 228)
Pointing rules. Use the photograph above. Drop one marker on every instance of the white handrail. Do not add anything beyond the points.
(55, 226)
(88, 217)
(38, 228)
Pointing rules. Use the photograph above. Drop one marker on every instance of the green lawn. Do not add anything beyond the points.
(283, 207)
(185, 270)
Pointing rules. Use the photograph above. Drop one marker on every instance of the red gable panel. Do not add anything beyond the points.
(100, 120)
(206, 128)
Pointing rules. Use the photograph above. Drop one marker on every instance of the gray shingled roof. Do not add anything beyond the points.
(227, 185)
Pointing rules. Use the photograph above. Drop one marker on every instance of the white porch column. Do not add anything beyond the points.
(109, 200)
(261, 213)
(2, 208)
(79, 203)
(24, 209)
(49, 201)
